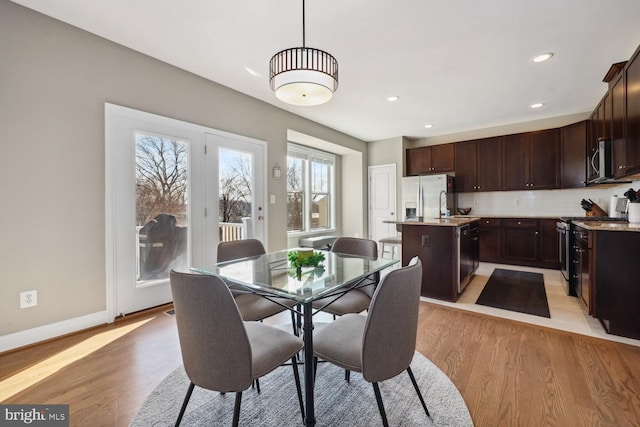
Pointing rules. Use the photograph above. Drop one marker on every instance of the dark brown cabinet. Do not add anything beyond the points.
(632, 115)
(490, 230)
(573, 152)
(618, 139)
(432, 159)
(617, 118)
(445, 259)
(478, 165)
(549, 245)
(532, 160)
(615, 294)
(520, 241)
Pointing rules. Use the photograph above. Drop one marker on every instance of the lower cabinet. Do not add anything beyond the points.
(531, 242)
(520, 240)
(615, 294)
(490, 239)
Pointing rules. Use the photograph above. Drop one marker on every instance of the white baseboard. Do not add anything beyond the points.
(41, 333)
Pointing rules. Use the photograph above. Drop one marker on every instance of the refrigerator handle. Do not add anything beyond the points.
(419, 205)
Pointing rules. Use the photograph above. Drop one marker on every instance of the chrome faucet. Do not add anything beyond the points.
(440, 203)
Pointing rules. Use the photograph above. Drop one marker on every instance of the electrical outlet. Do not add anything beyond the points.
(28, 299)
(517, 201)
(272, 199)
(426, 240)
(475, 203)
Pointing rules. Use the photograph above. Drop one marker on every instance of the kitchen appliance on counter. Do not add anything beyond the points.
(569, 248)
(427, 196)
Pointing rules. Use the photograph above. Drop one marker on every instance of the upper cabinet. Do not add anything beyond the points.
(573, 140)
(617, 134)
(432, 159)
(532, 160)
(478, 165)
(617, 118)
(632, 123)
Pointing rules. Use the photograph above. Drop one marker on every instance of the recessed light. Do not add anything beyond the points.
(537, 105)
(428, 126)
(252, 72)
(393, 98)
(543, 57)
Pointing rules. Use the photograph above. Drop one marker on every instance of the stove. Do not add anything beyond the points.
(568, 248)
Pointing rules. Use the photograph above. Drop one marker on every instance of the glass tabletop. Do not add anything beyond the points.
(273, 273)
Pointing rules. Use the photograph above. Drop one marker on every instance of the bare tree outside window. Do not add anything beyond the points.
(235, 186)
(161, 205)
(161, 177)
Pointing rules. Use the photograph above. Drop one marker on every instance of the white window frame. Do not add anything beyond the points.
(309, 155)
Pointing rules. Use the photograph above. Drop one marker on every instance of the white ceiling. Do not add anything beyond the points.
(459, 65)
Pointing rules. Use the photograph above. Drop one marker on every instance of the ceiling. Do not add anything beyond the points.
(458, 65)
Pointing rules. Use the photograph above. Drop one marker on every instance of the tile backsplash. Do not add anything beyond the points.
(541, 202)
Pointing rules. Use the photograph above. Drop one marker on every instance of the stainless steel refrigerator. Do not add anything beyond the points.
(427, 196)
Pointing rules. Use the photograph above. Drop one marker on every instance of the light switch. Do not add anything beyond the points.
(272, 199)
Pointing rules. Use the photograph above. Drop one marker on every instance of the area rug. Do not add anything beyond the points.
(519, 291)
(338, 403)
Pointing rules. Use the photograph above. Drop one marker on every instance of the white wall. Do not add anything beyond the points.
(54, 81)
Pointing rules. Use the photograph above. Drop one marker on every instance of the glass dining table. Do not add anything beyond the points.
(271, 275)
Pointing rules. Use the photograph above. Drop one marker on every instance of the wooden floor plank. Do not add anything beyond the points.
(509, 373)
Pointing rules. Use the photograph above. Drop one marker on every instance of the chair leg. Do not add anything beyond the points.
(293, 324)
(184, 403)
(315, 368)
(258, 385)
(296, 376)
(236, 409)
(383, 414)
(415, 385)
(347, 375)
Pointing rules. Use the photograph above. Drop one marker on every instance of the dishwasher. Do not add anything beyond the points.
(466, 262)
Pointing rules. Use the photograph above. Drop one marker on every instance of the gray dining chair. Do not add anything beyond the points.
(381, 344)
(253, 306)
(220, 351)
(355, 300)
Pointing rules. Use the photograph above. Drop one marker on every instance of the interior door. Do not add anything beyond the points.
(382, 201)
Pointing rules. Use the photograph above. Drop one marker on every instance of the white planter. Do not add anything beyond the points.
(634, 213)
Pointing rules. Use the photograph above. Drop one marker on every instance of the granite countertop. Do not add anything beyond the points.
(608, 226)
(456, 221)
(478, 216)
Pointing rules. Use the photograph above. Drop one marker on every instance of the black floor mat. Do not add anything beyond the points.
(516, 291)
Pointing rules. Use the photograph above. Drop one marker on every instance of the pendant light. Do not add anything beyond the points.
(303, 75)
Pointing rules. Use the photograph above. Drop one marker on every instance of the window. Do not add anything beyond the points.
(310, 189)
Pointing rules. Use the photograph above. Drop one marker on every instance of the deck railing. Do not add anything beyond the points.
(230, 231)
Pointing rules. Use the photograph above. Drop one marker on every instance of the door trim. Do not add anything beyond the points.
(111, 111)
(371, 189)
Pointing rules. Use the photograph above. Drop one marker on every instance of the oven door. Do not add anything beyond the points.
(563, 251)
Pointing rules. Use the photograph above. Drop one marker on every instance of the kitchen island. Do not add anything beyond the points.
(448, 250)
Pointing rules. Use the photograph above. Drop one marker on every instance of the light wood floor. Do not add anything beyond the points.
(509, 373)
